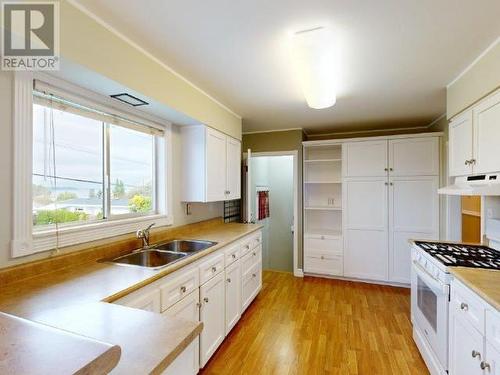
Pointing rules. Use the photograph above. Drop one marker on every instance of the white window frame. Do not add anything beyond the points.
(24, 240)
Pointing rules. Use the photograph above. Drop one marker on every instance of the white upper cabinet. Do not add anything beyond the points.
(210, 165)
(233, 157)
(474, 134)
(365, 159)
(486, 136)
(414, 156)
(460, 145)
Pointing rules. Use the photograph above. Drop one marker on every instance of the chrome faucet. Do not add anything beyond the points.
(143, 234)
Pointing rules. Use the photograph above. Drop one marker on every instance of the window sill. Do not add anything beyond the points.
(48, 240)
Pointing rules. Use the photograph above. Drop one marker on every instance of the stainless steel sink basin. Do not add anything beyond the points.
(185, 246)
(151, 258)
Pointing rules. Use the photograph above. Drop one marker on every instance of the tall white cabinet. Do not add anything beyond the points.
(388, 195)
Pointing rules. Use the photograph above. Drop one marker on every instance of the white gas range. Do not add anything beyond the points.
(430, 293)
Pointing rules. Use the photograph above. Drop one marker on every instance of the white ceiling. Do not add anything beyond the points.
(396, 56)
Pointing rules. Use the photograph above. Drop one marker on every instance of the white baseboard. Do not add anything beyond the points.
(387, 283)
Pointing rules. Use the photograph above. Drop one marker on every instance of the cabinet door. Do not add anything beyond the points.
(460, 145)
(233, 148)
(413, 213)
(492, 359)
(365, 159)
(486, 126)
(216, 165)
(212, 315)
(145, 300)
(366, 228)
(233, 295)
(465, 344)
(414, 156)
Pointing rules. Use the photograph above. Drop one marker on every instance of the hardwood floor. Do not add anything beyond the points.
(321, 326)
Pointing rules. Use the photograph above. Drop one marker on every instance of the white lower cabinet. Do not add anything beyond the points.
(214, 290)
(212, 314)
(474, 348)
(233, 295)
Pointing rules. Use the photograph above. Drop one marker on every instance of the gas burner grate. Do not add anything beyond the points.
(452, 254)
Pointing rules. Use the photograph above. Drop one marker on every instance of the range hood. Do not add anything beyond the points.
(483, 184)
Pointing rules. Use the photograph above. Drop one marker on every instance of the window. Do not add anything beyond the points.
(87, 170)
(85, 167)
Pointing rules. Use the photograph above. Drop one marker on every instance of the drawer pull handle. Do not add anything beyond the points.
(484, 365)
(385, 169)
(247, 247)
(233, 256)
(254, 253)
(198, 305)
(183, 289)
(322, 237)
(258, 239)
(475, 354)
(322, 257)
(228, 280)
(214, 269)
(464, 306)
(254, 275)
(205, 299)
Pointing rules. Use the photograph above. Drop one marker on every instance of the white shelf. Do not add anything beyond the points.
(321, 160)
(323, 182)
(326, 208)
(323, 232)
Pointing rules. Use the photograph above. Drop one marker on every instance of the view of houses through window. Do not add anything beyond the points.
(85, 170)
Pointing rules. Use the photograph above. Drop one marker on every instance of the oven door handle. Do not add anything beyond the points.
(429, 279)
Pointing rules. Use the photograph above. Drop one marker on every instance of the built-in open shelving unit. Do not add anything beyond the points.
(323, 241)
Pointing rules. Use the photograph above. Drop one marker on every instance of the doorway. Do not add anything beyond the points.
(271, 200)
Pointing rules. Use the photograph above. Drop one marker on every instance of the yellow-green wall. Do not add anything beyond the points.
(480, 80)
(86, 42)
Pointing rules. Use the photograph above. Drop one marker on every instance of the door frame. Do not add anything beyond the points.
(295, 156)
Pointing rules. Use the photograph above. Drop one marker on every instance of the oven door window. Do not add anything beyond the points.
(427, 302)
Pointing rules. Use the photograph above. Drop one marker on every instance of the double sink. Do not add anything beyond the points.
(162, 255)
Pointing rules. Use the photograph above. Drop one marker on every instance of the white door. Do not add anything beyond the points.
(365, 159)
(413, 213)
(366, 228)
(212, 315)
(233, 295)
(486, 126)
(233, 157)
(492, 359)
(466, 348)
(460, 145)
(188, 308)
(414, 156)
(216, 165)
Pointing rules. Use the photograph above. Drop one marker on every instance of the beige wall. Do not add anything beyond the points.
(281, 141)
(480, 80)
(200, 211)
(86, 42)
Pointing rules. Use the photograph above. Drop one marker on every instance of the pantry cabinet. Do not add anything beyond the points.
(210, 165)
(365, 159)
(473, 135)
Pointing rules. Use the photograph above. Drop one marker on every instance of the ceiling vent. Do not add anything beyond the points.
(129, 99)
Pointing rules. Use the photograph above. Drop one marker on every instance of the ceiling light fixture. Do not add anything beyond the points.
(314, 55)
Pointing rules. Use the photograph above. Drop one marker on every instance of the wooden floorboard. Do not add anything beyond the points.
(321, 326)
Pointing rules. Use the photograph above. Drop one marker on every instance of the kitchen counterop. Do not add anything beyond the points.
(74, 299)
(486, 283)
(46, 350)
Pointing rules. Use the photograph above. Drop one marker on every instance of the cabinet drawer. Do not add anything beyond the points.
(251, 259)
(251, 283)
(232, 253)
(324, 244)
(493, 328)
(246, 245)
(142, 300)
(187, 308)
(256, 240)
(211, 267)
(179, 287)
(323, 263)
(467, 304)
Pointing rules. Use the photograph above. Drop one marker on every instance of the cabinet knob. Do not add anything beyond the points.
(183, 289)
(214, 269)
(386, 183)
(205, 299)
(233, 256)
(385, 169)
(464, 306)
(322, 237)
(247, 247)
(254, 275)
(467, 162)
(227, 192)
(198, 305)
(390, 169)
(390, 183)
(475, 354)
(254, 253)
(322, 257)
(472, 161)
(228, 280)
(485, 366)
